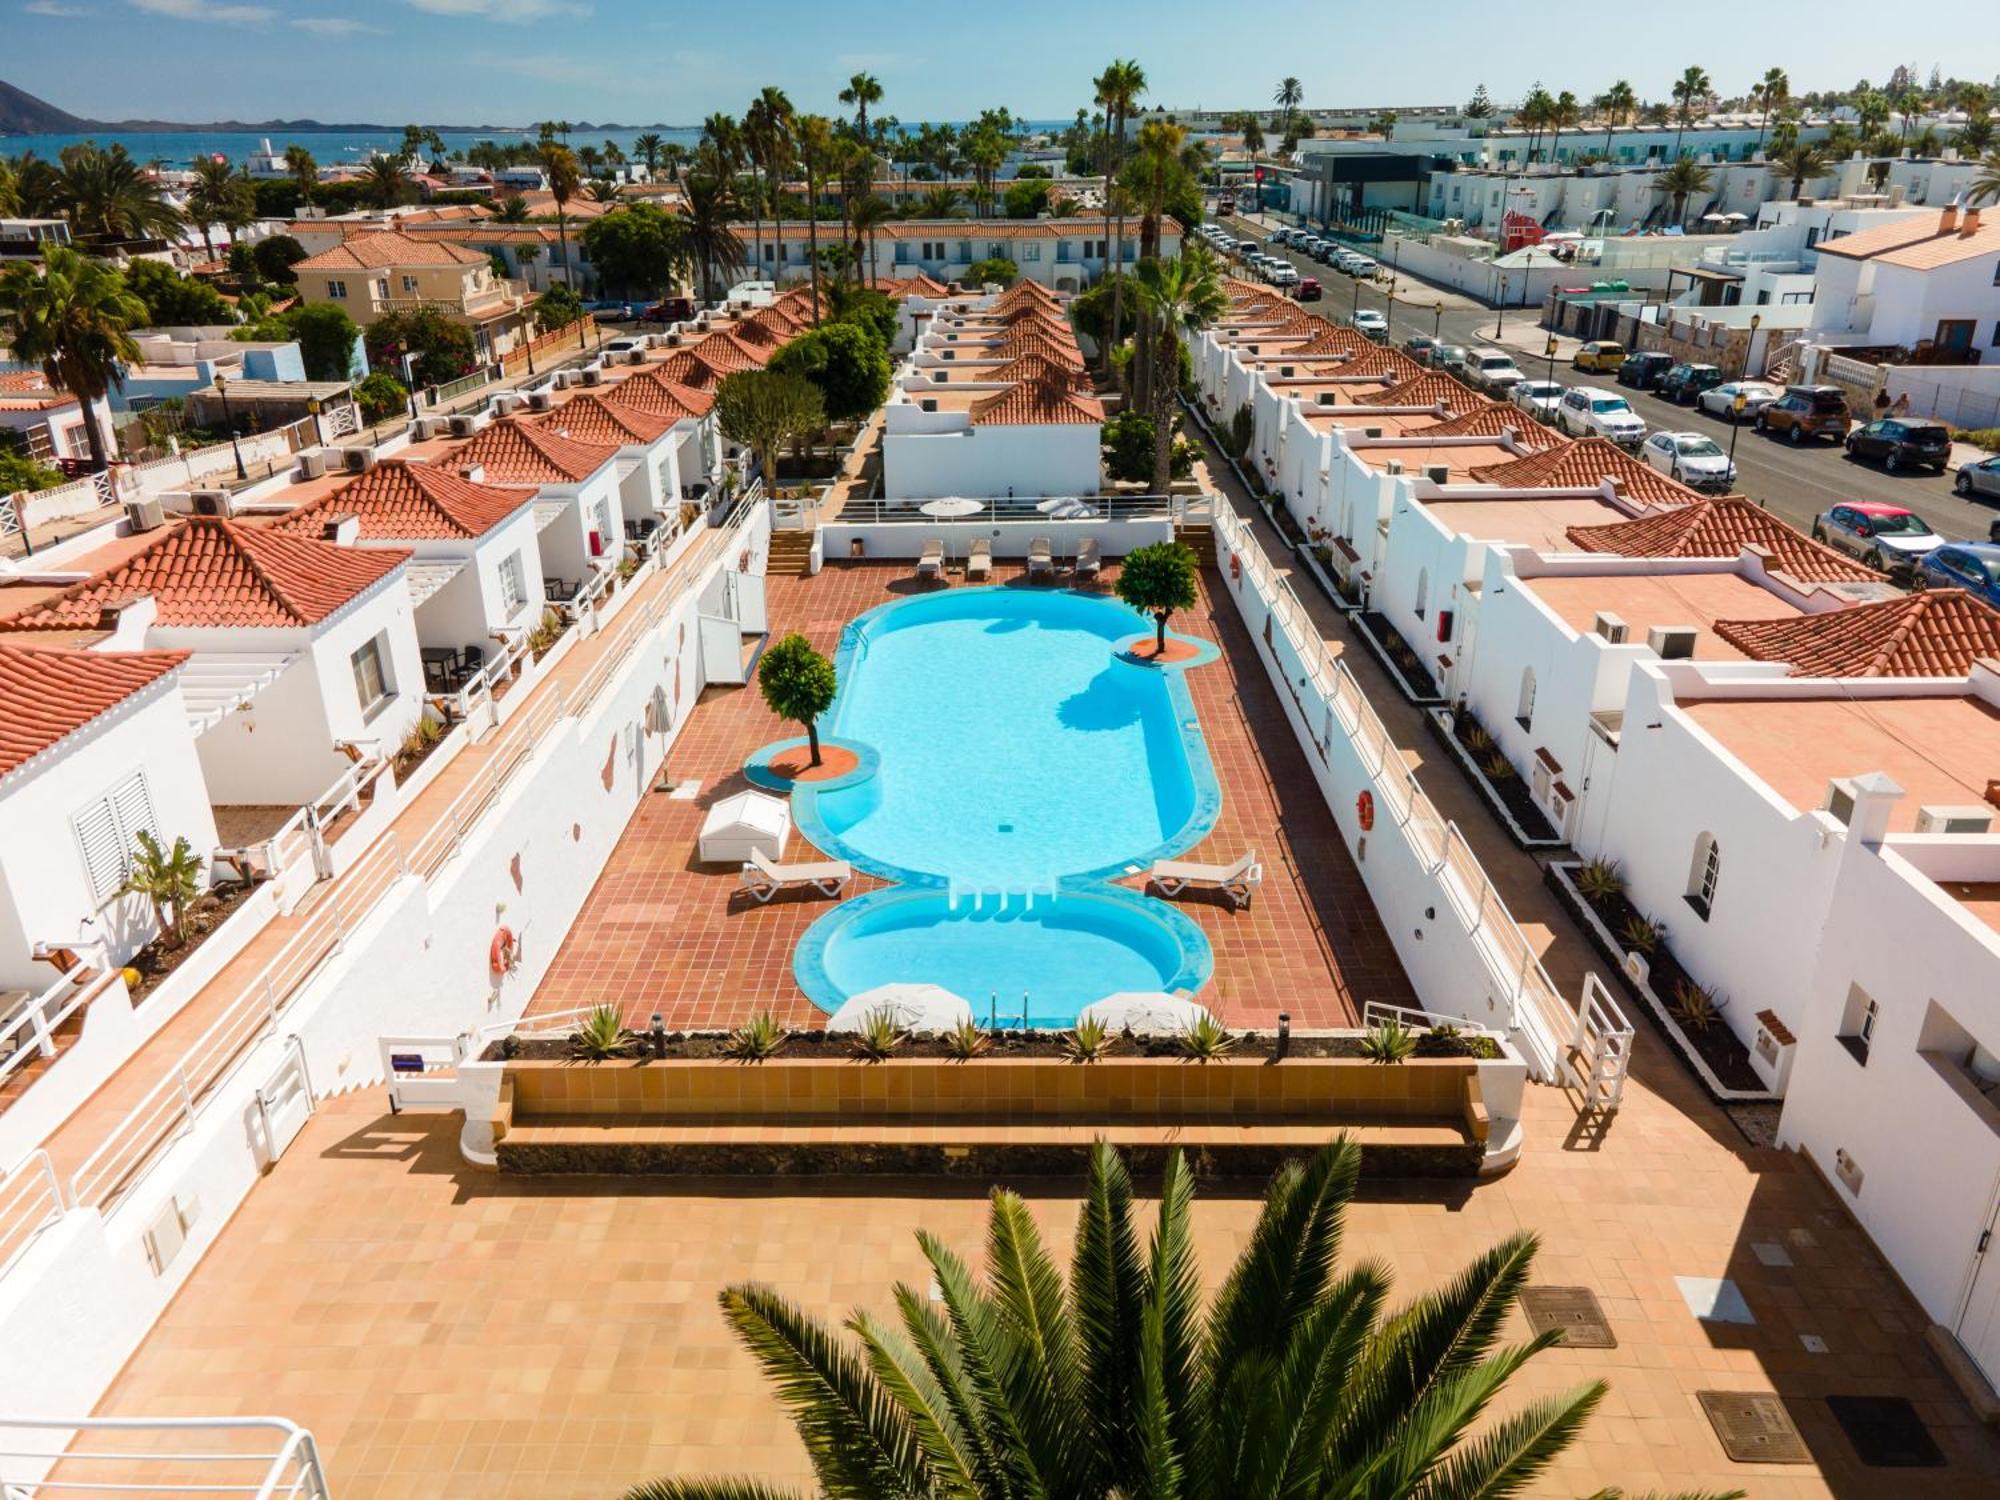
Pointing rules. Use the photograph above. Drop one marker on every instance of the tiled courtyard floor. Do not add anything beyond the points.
(663, 934)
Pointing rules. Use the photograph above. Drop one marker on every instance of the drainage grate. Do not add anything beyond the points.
(1753, 1427)
(1886, 1432)
(1573, 1311)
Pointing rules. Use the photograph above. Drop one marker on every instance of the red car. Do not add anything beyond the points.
(672, 310)
(1307, 291)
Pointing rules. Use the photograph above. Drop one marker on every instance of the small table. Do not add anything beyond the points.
(442, 673)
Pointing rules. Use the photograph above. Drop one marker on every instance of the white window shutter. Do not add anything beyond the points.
(133, 803)
(103, 855)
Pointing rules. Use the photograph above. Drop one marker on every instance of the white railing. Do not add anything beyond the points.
(261, 1457)
(30, 1201)
(1600, 1048)
(1410, 1018)
(31, 1034)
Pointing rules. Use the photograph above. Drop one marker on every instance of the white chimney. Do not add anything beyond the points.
(128, 620)
(342, 531)
(1863, 803)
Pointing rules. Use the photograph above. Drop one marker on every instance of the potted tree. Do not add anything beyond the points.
(798, 683)
(170, 879)
(1158, 579)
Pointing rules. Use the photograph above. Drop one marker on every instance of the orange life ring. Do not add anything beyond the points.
(1364, 807)
(505, 953)
(1235, 566)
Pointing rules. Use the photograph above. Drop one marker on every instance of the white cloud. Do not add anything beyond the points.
(514, 12)
(205, 10)
(333, 26)
(539, 66)
(54, 8)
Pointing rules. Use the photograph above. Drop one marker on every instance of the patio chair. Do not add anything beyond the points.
(1238, 882)
(979, 560)
(931, 564)
(1089, 558)
(764, 877)
(1041, 558)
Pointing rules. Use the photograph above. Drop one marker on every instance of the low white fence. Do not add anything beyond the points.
(264, 1458)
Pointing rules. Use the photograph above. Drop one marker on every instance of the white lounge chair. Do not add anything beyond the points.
(1239, 881)
(1089, 558)
(1041, 558)
(764, 877)
(931, 564)
(979, 561)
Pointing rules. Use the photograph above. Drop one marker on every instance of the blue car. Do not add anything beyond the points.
(1972, 566)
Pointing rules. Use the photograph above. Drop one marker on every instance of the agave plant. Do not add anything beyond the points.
(601, 1034)
(1496, 766)
(1694, 1005)
(1643, 934)
(1390, 1042)
(1477, 739)
(879, 1038)
(756, 1039)
(966, 1041)
(1206, 1040)
(1600, 879)
(1087, 1041)
(1297, 1379)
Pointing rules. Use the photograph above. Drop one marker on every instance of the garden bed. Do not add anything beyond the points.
(1509, 796)
(155, 962)
(1719, 1057)
(1410, 675)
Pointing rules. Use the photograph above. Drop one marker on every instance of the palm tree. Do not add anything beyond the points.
(108, 196)
(814, 136)
(512, 209)
(589, 158)
(75, 318)
(1295, 1379)
(386, 180)
(1563, 110)
(1691, 89)
(1290, 95)
(1987, 184)
(862, 90)
(1909, 107)
(1182, 295)
(712, 206)
(1800, 162)
(216, 194)
(1680, 180)
(870, 211)
(722, 132)
(1977, 102)
(674, 156)
(938, 203)
(1535, 112)
(305, 171)
(565, 178)
(1615, 105)
(1118, 89)
(648, 146)
(767, 142)
(1872, 109)
(1770, 93)
(604, 190)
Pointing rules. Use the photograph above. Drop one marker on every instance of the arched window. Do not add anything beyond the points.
(1423, 591)
(1524, 711)
(1703, 874)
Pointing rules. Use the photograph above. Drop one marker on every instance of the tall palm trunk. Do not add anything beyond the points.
(761, 174)
(1117, 245)
(812, 236)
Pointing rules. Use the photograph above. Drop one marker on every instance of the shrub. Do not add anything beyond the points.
(1128, 449)
(169, 877)
(1643, 934)
(1027, 198)
(1694, 1005)
(172, 298)
(602, 1034)
(1087, 1041)
(758, 1038)
(1242, 428)
(548, 630)
(1477, 739)
(1982, 437)
(19, 472)
(1391, 1042)
(998, 271)
(1497, 767)
(966, 1041)
(558, 307)
(444, 350)
(1207, 1040)
(423, 734)
(1600, 880)
(275, 257)
(871, 309)
(846, 361)
(1449, 1041)
(879, 1037)
(380, 396)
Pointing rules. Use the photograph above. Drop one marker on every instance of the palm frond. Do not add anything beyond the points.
(1312, 1385)
(1028, 1299)
(923, 1404)
(1174, 1303)
(1414, 1440)
(858, 1441)
(1108, 1298)
(1503, 1460)
(988, 1351)
(930, 1334)
(710, 1489)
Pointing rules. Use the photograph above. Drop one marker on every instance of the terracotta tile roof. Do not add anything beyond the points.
(729, 355)
(597, 419)
(398, 501)
(207, 572)
(1432, 388)
(1491, 419)
(1720, 527)
(514, 452)
(1036, 341)
(373, 252)
(22, 382)
(46, 695)
(919, 285)
(1331, 340)
(1036, 403)
(1585, 465)
(1938, 633)
(1040, 367)
(655, 394)
(1921, 243)
(763, 335)
(1397, 366)
(1027, 292)
(685, 367)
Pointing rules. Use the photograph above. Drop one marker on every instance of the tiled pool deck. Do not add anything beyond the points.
(663, 934)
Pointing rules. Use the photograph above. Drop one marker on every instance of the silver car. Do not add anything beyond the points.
(1690, 457)
(1720, 400)
(1981, 477)
(1539, 398)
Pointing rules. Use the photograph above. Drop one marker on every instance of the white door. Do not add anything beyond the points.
(1979, 1325)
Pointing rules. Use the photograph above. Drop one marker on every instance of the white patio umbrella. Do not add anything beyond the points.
(952, 508)
(1145, 1012)
(914, 1007)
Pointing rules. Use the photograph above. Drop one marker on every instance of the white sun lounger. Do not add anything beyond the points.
(979, 561)
(1238, 881)
(1089, 558)
(764, 878)
(1041, 558)
(931, 564)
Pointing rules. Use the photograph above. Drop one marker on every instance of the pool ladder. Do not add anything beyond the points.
(957, 891)
(993, 1010)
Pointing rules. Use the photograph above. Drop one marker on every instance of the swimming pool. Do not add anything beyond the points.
(1017, 765)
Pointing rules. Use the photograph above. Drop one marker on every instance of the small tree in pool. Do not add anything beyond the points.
(798, 683)
(1158, 579)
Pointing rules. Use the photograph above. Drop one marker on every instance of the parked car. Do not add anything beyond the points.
(1586, 412)
(1283, 275)
(1695, 460)
(1980, 477)
(1972, 566)
(1598, 354)
(1538, 398)
(1684, 382)
(1421, 348)
(1897, 441)
(1806, 411)
(1888, 538)
(1372, 323)
(1324, 251)
(669, 310)
(1493, 372)
(1643, 371)
(1720, 400)
(1307, 290)
(1450, 358)
(623, 346)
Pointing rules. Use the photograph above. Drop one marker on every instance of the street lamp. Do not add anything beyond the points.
(319, 433)
(1737, 406)
(222, 390)
(1756, 322)
(1437, 322)
(408, 361)
(1500, 312)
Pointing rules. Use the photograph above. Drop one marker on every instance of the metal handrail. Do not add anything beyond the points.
(1013, 510)
(30, 1200)
(34, 1028)
(291, 1466)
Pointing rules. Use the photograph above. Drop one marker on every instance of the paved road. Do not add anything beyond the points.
(1795, 483)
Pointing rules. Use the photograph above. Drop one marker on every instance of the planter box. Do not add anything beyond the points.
(1438, 721)
(1379, 649)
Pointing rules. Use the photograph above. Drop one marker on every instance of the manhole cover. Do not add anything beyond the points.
(1571, 1309)
(1886, 1432)
(1753, 1427)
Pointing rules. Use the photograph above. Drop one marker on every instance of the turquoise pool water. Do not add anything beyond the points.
(1018, 766)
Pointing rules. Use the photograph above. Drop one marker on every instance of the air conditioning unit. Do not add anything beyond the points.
(635, 356)
(541, 401)
(1672, 642)
(593, 375)
(1438, 473)
(357, 460)
(312, 463)
(507, 404)
(1954, 820)
(423, 429)
(146, 515)
(466, 425)
(1326, 398)
(673, 341)
(1609, 627)
(1393, 466)
(212, 502)
(1841, 799)
(565, 379)
(1285, 372)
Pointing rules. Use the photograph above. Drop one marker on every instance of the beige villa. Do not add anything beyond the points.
(374, 275)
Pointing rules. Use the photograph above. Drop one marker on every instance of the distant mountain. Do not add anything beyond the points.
(24, 114)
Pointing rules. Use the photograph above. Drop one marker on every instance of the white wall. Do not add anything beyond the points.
(1053, 459)
(1010, 539)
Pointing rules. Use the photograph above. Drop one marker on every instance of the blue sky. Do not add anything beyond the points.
(645, 61)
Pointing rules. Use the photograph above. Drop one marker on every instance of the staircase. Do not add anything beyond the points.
(1784, 364)
(1201, 539)
(791, 554)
